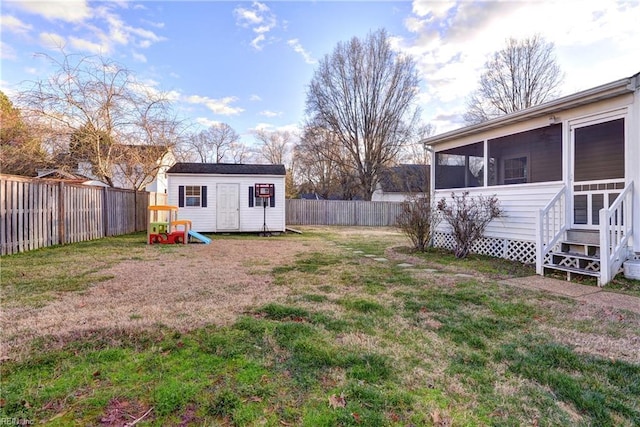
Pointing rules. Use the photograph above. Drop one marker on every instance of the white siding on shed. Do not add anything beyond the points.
(251, 218)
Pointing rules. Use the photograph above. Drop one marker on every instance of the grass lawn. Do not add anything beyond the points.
(345, 341)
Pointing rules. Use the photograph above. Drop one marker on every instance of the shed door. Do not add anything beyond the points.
(228, 207)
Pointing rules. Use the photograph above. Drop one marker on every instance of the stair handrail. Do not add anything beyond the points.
(551, 226)
(616, 227)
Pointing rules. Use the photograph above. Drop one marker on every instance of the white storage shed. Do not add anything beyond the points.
(222, 197)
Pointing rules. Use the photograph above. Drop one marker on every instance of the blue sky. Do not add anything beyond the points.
(248, 64)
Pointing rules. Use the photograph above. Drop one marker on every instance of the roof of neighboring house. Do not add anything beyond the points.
(405, 179)
(227, 169)
(68, 177)
(599, 93)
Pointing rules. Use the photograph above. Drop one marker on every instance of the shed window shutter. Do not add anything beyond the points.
(181, 196)
(272, 199)
(203, 195)
(251, 196)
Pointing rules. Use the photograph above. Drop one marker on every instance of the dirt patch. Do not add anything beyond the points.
(185, 288)
(122, 412)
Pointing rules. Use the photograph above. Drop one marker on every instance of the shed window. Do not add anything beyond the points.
(192, 196)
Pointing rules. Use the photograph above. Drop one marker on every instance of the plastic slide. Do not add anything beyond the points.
(196, 235)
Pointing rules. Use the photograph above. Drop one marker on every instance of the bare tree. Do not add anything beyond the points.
(20, 149)
(318, 163)
(523, 74)
(415, 151)
(103, 107)
(239, 152)
(276, 145)
(212, 145)
(364, 94)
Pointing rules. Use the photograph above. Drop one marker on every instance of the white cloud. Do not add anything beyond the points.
(451, 42)
(8, 90)
(258, 18)
(291, 128)
(52, 40)
(297, 47)
(256, 42)
(88, 46)
(14, 25)
(139, 57)
(254, 98)
(269, 113)
(153, 24)
(217, 106)
(63, 10)
(207, 122)
(6, 51)
(173, 95)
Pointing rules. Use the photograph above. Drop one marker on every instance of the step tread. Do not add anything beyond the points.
(572, 242)
(575, 255)
(573, 270)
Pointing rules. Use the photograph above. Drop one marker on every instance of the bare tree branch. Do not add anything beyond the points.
(93, 108)
(363, 94)
(523, 74)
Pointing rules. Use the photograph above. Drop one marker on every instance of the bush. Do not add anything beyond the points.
(468, 218)
(418, 220)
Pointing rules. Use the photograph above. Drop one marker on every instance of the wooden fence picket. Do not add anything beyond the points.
(37, 213)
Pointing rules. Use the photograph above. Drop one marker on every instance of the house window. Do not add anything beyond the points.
(530, 156)
(192, 195)
(460, 167)
(515, 170)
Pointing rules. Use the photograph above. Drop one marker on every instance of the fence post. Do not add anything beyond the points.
(61, 215)
(105, 212)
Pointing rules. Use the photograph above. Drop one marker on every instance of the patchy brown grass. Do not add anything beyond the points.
(186, 288)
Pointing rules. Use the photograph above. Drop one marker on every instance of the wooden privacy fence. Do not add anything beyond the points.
(342, 212)
(37, 213)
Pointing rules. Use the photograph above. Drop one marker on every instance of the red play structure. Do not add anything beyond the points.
(164, 226)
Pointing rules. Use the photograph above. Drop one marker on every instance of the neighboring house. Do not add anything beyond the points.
(221, 197)
(145, 168)
(68, 177)
(160, 184)
(566, 174)
(398, 183)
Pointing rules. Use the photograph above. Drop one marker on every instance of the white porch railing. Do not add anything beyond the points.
(551, 226)
(616, 227)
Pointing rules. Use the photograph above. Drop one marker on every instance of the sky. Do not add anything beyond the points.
(248, 63)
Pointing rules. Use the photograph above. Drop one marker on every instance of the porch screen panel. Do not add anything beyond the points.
(599, 151)
(531, 156)
(460, 167)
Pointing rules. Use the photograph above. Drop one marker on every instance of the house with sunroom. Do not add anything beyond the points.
(226, 197)
(567, 174)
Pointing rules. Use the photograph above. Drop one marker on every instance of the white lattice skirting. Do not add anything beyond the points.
(515, 250)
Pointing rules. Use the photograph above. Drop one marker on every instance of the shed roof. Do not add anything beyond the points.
(226, 169)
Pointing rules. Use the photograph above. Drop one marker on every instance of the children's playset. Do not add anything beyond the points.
(165, 227)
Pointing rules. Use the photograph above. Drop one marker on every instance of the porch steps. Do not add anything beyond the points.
(578, 254)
